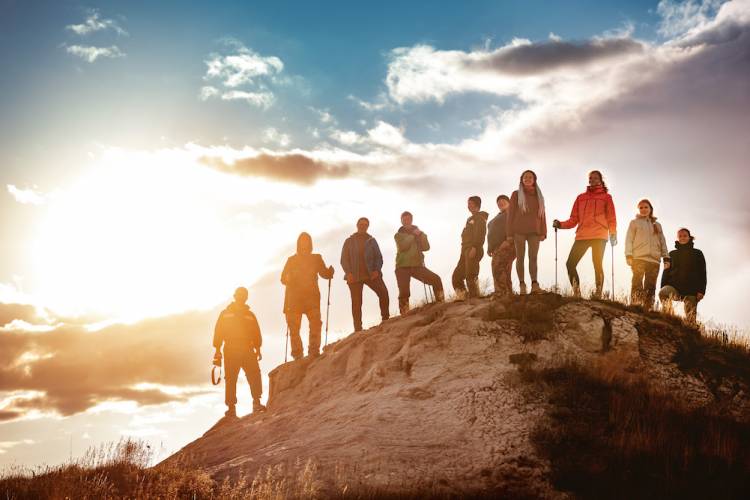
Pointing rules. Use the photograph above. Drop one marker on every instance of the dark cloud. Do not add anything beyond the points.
(296, 168)
(10, 312)
(9, 415)
(546, 56)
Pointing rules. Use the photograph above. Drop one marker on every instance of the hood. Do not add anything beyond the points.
(482, 215)
(680, 246)
(596, 189)
(235, 306)
(300, 241)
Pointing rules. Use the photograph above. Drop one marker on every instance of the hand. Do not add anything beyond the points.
(374, 275)
(556, 224)
(260, 356)
(667, 265)
(543, 237)
(331, 270)
(349, 278)
(613, 239)
(472, 253)
(629, 260)
(699, 296)
(417, 232)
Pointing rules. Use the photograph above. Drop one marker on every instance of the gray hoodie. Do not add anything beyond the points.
(642, 243)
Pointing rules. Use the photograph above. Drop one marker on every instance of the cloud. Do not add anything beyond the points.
(273, 136)
(258, 99)
(292, 167)
(90, 54)
(93, 23)
(678, 18)
(26, 196)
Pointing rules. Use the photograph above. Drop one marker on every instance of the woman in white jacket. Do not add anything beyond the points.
(645, 248)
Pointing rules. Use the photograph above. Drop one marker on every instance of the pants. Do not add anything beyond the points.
(377, 285)
(420, 273)
(520, 241)
(643, 284)
(294, 321)
(669, 293)
(467, 274)
(502, 267)
(597, 256)
(248, 362)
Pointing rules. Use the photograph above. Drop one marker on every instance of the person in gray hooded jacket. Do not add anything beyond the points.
(645, 249)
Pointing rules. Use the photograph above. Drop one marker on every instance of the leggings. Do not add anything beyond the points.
(597, 256)
(520, 241)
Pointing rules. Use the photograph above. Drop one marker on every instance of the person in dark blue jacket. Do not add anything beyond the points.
(685, 280)
(363, 263)
(502, 251)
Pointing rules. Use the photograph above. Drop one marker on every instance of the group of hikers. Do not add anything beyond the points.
(517, 230)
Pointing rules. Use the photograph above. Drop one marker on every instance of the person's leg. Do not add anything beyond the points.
(533, 242)
(377, 285)
(666, 296)
(428, 278)
(508, 270)
(651, 273)
(459, 277)
(313, 318)
(691, 308)
(636, 283)
(497, 273)
(472, 276)
(502, 263)
(574, 257)
(294, 321)
(597, 256)
(519, 240)
(252, 374)
(231, 372)
(355, 290)
(403, 280)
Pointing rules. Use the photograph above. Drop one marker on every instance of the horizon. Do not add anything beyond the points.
(154, 158)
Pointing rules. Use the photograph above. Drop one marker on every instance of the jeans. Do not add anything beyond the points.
(643, 284)
(502, 267)
(597, 256)
(668, 294)
(520, 241)
(294, 321)
(377, 285)
(421, 273)
(466, 273)
(248, 362)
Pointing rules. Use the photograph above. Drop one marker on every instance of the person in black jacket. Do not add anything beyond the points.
(685, 280)
(502, 250)
(466, 273)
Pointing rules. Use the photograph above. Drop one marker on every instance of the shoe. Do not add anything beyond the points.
(258, 407)
(403, 309)
(313, 354)
(460, 295)
(231, 412)
(440, 296)
(535, 288)
(577, 292)
(522, 288)
(597, 295)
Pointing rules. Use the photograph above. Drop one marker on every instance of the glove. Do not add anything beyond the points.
(629, 260)
(613, 239)
(556, 224)
(217, 358)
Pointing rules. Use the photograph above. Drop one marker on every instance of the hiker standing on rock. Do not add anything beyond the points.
(685, 280)
(363, 263)
(411, 242)
(501, 249)
(466, 273)
(594, 214)
(527, 225)
(237, 329)
(645, 248)
(300, 276)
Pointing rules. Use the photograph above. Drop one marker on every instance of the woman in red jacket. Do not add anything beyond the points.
(594, 214)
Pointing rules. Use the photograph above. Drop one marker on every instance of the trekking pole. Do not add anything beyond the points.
(286, 343)
(432, 293)
(426, 298)
(613, 271)
(328, 308)
(556, 289)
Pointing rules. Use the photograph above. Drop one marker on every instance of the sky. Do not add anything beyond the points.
(155, 157)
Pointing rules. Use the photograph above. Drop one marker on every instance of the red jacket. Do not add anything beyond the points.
(594, 214)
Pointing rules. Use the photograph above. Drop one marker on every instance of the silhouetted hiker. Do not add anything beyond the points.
(363, 264)
(300, 276)
(645, 248)
(685, 280)
(237, 328)
(411, 242)
(527, 225)
(466, 273)
(594, 214)
(501, 249)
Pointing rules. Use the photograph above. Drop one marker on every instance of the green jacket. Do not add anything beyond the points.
(409, 248)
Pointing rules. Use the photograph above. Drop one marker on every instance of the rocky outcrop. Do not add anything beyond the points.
(436, 399)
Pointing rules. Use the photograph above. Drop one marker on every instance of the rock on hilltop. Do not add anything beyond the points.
(438, 400)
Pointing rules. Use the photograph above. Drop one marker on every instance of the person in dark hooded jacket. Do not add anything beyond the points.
(300, 276)
(685, 280)
(238, 331)
(466, 273)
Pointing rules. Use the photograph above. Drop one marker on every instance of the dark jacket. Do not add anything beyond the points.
(474, 233)
(496, 231)
(530, 222)
(350, 256)
(237, 328)
(300, 275)
(410, 247)
(687, 273)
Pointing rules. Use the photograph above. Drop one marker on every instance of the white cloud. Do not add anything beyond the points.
(90, 54)
(207, 92)
(385, 134)
(93, 23)
(258, 99)
(26, 196)
(324, 115)
(679, 18)
(272, 135)
(346, 137)
(381, 103)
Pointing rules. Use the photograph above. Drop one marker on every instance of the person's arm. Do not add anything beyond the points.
(378, 255)
(544, 225)
(285, 273)
(663, 244)
(481, 234)
(218, 334)
(424, 243)
(629, 238)
(511, 215)
(324, 271)
(345, 264)
(701, 271)
(611, 216)
(573, 220)
(255, 335)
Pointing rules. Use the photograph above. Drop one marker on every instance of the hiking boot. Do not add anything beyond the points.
(597, 295)
(576, 292)
(535, 288)
(522, 288)
(440, 296)
(403, 309)
(313, 354)
(257, 406)
(231, 412)
(460, 295)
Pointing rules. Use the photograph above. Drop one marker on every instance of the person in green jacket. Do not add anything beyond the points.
(411, 242)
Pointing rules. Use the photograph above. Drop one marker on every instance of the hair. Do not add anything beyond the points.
(692, 238)
(651, 214)
(477, 200)
(522, 194)
(363, 219)
(601, 178)
(304, 237)
(406, 213)
(502, 197)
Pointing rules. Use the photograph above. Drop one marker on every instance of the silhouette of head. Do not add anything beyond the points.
(304, 244)
(406, 219)
(240, 295)
(363, 223)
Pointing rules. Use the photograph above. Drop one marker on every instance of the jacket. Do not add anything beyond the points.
(350, 257)
(300, 275)
(687, 273)
(237, 328)
(474, 233)
(530, 222)
(645, 240)
(410, 247)
(497, 231)
(594, 214)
